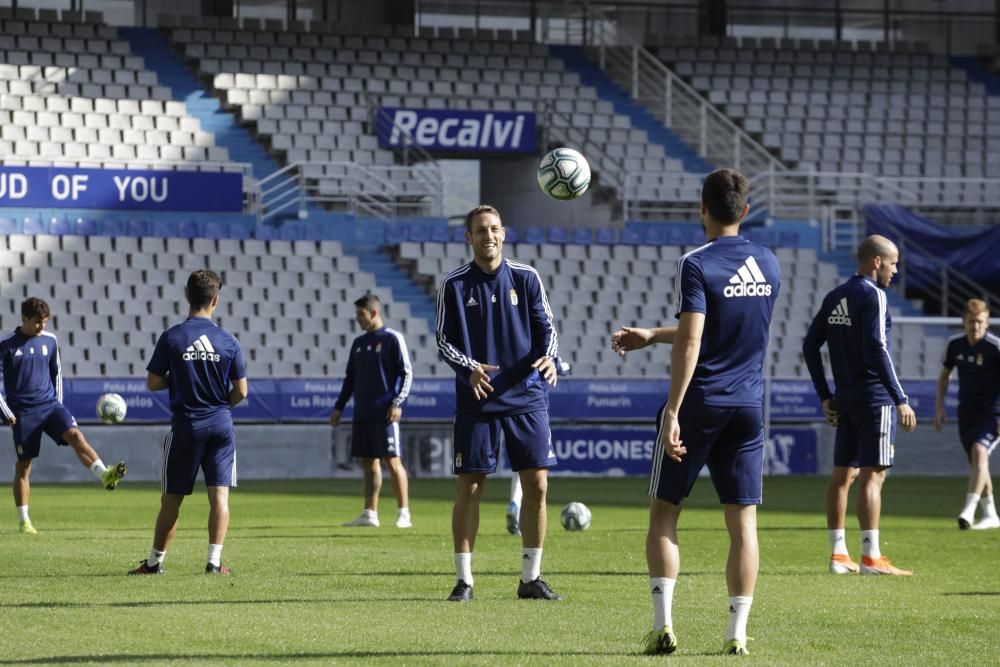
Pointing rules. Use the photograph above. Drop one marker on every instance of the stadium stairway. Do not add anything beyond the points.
(576, 60)
(977, 72)
(184, 85)
(387, 274)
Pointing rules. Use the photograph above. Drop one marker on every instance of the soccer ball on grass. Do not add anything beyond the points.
(575, 516)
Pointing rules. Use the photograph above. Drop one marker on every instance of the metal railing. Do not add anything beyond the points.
(650, 82)
(382, 192)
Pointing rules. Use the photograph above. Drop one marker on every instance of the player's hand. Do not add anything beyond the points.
(335, 418)
(627, 339)
(907, 418)
(671, 439)
(830, 412)
(548, 369)
(480, 381)
(939, 417)
(394, 414)
(13, 420)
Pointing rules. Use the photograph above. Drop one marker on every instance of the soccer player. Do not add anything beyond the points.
(854, 323)
(32, 374)
(726, 291)
(202, 366)
(494, 328)
(977, 355)
(379, 376)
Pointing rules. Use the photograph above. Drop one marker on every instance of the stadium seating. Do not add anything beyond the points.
(898, 114)
(310, 94)
(73, 92)
(290, 303)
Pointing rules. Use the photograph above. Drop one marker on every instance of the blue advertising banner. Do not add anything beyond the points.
(458, 131)
(120, 189)
(579, 401)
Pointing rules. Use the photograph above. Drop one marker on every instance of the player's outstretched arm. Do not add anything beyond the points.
(627, 339)
(942, 388)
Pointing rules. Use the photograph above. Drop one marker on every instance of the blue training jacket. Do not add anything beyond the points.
(854, 322)
(500, 319)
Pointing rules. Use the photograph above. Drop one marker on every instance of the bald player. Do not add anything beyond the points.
(854, 323)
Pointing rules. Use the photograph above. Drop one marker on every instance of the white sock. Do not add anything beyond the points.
(838, 544)
(404, 511)
(739, 612)
(373, 514)
(22, 513)
(869, 544)
(98, 468)
(662, 590)
(971, 500)
(155, 557)
(215, 554)
(531, 564)
(515, 489)
(463, 567)
(987, 506)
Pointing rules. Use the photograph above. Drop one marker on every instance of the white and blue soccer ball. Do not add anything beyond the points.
(564, 174)
(575, 516)
(111, 408)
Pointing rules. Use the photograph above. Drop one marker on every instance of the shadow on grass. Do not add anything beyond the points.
(974, 593)
(290, 657)
(214, 601)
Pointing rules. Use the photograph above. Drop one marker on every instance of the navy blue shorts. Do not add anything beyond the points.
(979, 429)
(730, 440)
(185, 450)
(375, 440)
(527, 437)
(866, 438)
(53, 420)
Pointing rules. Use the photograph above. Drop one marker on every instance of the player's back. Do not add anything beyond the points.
(857, 333)
(201, 358)
(735, 282)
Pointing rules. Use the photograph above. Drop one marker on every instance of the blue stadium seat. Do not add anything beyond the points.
(788, 239)
(240, 231)
(630, 237)
(558, 235)
(111, 227)
(394, 234)
(534, 235)
(605, 236)
(35, 226)
(138, 228)
(265, 232)
(681, 235)
(512, 235)
(189, 229)
(163, 229)
(8, 226)
(440, 234)
(313, 231)
(583, 235)
(655, 235)
(417, 233)
(290, 231)
(85, 227)
(216, 229)
(458, 233)
(60, 226)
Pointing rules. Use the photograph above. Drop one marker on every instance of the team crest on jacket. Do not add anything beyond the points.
(378, 348)
(513, 296)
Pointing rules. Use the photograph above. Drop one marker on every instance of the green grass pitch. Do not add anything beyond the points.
(306, 591)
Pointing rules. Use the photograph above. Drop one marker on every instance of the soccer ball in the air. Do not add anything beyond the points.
(111, 408)
(563, 174)
(575, 516)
